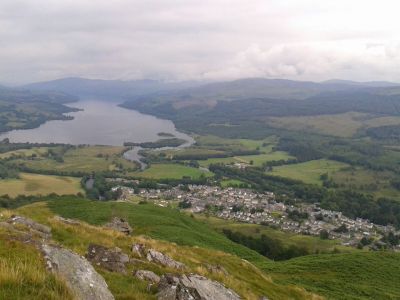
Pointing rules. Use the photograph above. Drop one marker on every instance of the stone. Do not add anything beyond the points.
(148, 276)
(112, 259)
(119, 224)
(139, 250)
(193, 287)
(79, 275)
(42, 230)
(165, 260)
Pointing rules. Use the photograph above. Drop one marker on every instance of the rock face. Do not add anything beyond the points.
(160, 258)
(78, 273)
(120, 225)
(148, 276)
(111, 259)
(40, 229)
(193, 287)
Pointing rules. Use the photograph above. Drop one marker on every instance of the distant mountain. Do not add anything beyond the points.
(107, 89)
(25, 95)
(259, 88)
(371, 84)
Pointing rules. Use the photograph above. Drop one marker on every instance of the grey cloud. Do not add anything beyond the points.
(188, 39)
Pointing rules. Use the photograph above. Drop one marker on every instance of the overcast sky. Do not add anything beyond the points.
(199, 39)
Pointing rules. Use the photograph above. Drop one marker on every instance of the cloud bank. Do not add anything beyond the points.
(199, 40)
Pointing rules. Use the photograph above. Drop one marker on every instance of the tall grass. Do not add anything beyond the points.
(23, 274)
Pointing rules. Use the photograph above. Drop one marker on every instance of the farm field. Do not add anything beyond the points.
(38, 151)
(257, 159)
(174, 171)
(310, 171)
(83, 159)
(35, 184)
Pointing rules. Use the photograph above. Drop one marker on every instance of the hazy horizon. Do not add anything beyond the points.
(189, 40)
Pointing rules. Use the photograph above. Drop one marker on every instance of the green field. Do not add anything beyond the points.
(310, 171)
(83, 159)
(231, 182)
(35, 184)
(257, 160)
(38, 151)
(175, 171)
(265, 146)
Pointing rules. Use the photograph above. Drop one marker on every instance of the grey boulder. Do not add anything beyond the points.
(78, 273)
(193, 287)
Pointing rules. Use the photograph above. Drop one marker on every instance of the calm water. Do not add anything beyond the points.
(100, 123)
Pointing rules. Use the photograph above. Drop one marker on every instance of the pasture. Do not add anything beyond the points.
(83, 159)
(35, 184)
(36, 151)
(310, 171)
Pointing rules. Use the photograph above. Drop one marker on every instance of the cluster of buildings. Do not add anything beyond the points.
(245, 205)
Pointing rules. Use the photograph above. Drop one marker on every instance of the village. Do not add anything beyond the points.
(245, 205)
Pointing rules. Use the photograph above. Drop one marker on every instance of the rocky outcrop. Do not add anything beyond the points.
(147, 275)
(139, 250)
(165, 260)
(40, 229)
(78, 273)
(193, 287)
(120, 225)
(112, 259)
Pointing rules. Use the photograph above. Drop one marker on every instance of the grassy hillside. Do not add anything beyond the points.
(242, 276)
(311, 243)
(157, 222)
(356, 275)
(337, 276)
(35, 184)
(371, 275)
(23, 273)
(342, 125)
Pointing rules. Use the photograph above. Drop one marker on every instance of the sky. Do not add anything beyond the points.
(178, 40)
